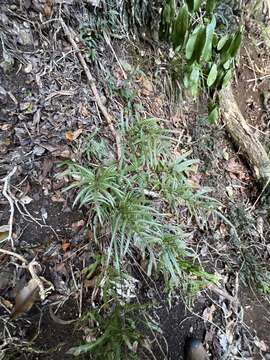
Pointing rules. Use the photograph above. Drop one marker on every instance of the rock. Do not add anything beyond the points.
(38, 150)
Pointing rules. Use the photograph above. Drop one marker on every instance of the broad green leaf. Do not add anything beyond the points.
(199, 45)
(213, 115)
(235, 44)
(186, 80)
(228, 63)
(222, 41)
(197, 4)
(227, 78)
(210, 6)
(180, 27)
(207, 50)
(212, 75)
(194, 80)
(191, 42)
(215, 40)
(190, 4)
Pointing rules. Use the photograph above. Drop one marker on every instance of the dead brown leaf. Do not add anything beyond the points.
(208, 313)
(235, 168)
(65, 246)
(4, 231)
(73, 135)
(60, 93)
(83, 111)
(78, 224)
(25, 298)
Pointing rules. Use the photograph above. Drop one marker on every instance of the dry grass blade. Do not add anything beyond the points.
(93, 87)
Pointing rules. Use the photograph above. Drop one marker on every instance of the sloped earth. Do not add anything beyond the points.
(46, 108)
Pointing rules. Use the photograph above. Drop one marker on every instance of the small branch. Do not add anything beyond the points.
(223, 293)
(11, 253)
(91, 82)
(6, 194)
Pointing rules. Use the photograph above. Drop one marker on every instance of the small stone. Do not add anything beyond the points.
(28, 68)
(38, 150)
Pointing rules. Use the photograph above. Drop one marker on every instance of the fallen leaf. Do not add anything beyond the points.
(78, 224)
(208, 313)
(57, 198)
(28, 68)
(25, 106)
(235, 168)
(60, 93)
(95, 3)
(26, 200)
(65, 246)
(73, 135)
(147, 84)
(25, 299)
(48, 7)
(83, 111)
(261, 345)
(4, 231)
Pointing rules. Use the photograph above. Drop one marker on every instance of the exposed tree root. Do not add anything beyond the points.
(244, 136)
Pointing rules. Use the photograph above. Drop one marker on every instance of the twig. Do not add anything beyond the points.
(93, 87)
(107, 39)
(222, 293)
(11, 253)
(6, 194)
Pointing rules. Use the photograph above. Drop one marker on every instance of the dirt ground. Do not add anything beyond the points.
(45, 107)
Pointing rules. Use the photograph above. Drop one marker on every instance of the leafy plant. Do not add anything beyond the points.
(114, 334)
(98, 189)
(203, 56)
(117, 201)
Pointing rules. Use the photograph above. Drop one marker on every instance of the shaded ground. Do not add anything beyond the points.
(43, 116)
